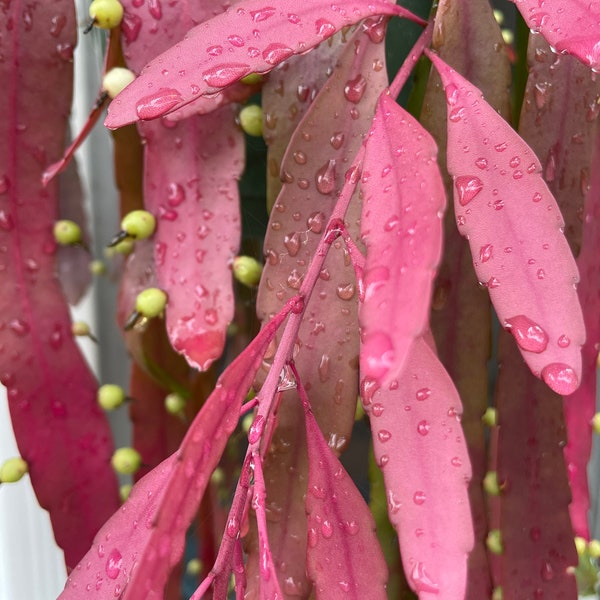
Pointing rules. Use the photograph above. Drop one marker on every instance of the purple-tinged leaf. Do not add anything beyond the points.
(344, 559)
(580, 407)
(569, 26)
(106, 570)
(419, 446)
(286, 95)
(249, 37)
(59, 428)
(157, 552)
(73, 262)
(467, 37)
(562, 91)
(513, 224)
(536, 532)
(401, 226)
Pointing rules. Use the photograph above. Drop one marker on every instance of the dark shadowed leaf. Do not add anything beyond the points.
(59, 428)
(514, 229)
(249, 37)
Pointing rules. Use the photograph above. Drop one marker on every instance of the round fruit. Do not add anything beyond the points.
(251, 119)
(12, 470)
(67, 233)
(151, 302)
(247, 270)
(110, 396)
(116, 80)
(174, 404)
(106, 14)
(138, 224)
(126, 461)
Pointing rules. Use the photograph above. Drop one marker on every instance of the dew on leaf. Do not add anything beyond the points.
(158, 103)
(256, 429)
(384, 435)
(355, 88)
(326, 529)
(113, 564)
(325, 177)
(419, 498)
(421, 580)
(423, 428)
(467, 187)
(528, 334)
(561, 378)
(486, 252)
(225, 74)
(275, 53)
(423, 394)
(233, 527)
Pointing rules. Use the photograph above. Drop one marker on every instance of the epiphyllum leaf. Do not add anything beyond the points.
(514, 228)
(401, 226)
(155, 551)
(248, 38)
(60, 430)
(419, 446)
(571, 26)
(344, 559)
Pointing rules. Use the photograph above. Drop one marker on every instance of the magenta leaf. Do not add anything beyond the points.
(419, 446)
(160, 545)
(401, 227)
(518, 248)
(344, 559)
(571, 26)
(60, 430)
(249, 37)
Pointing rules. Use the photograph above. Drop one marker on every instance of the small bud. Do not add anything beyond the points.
(106, 14)
(151, 302)
(175, 404)
(251, 79)
(580, 545)
(124, 491)
(497, 594)
(596, 423)
(110, 396)
(126, 461)
(194, 567)
(97, 267)
(247, 422)
(218, 476)
(12, 470)
(499, 16)
(139, 224)
(67, 233)
(594, 548)
(247, 270)
(80, 329)
(494, 541)
(116, 80)
(490, 417)
(490, 483)
(124, 247)
(508, 36)
(250, 118)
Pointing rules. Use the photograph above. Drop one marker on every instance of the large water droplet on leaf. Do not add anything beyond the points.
(467, 187)
(158, 103)
(225, 74)
(561, 378)
(528, 334)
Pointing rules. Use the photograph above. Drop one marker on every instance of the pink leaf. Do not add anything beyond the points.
(59, 427)
(419, 446)
(571, 26)
(158, 548)
(344, 559)
(248, 37)
(401, 226)
(514, 228)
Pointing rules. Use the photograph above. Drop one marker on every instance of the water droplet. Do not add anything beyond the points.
(547, 572)
(292, 243)
(236, 40)
(113, 564)
(383, 460)
(501, 147)
(375, 29)
(419, 498)
(377, 354)
(315, 222)
(394, 505)
(345, 291)
(215, 50)
(368, 387)
(19, 326)
(564, 341)
(537, 197)
(336, 140)
(313, 537)
(326, 529)
(550, 169)
(486, 253)
(262, 14)
(275, 53)
(324, 368)
(256, 429)
(541, 274)
(233, 527)
(481, 163)
(384, 435)
(452, 93)
(155, 9)
(325, 177)
(324, 28)
(561, 378)
(423, 394)
(421, 580)
(514, 162)
(351, 527)
(467, 187)
(158, 103)
(344, 586)
(355, 88)
(377, 409)
(423, 428)
(6, 221)
(175, 194)
(224, 75)
(528, 334)
(456, 114)
(456, 462)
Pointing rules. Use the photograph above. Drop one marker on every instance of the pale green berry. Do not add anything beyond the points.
(580, 545)
(247, 270)
(498, 594)
(124, 491)
(508, 36)
(194, 567)
(494, 541)
(175, 404)
(490, 483)
(124, 247)
(490, 417)
(251, 119)
(97, 267)
(247, 422)
(110, 396)
(594, 548)
(499, 16)
(12, 470)
(138, 224)
(596, 423)
(80, 329)
(116, 80)
(126, 461)
(106, 14)
(150, 302)
(218, 476)
(67, 233)
(251, 79)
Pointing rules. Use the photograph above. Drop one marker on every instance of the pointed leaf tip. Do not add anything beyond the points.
(515, 232)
